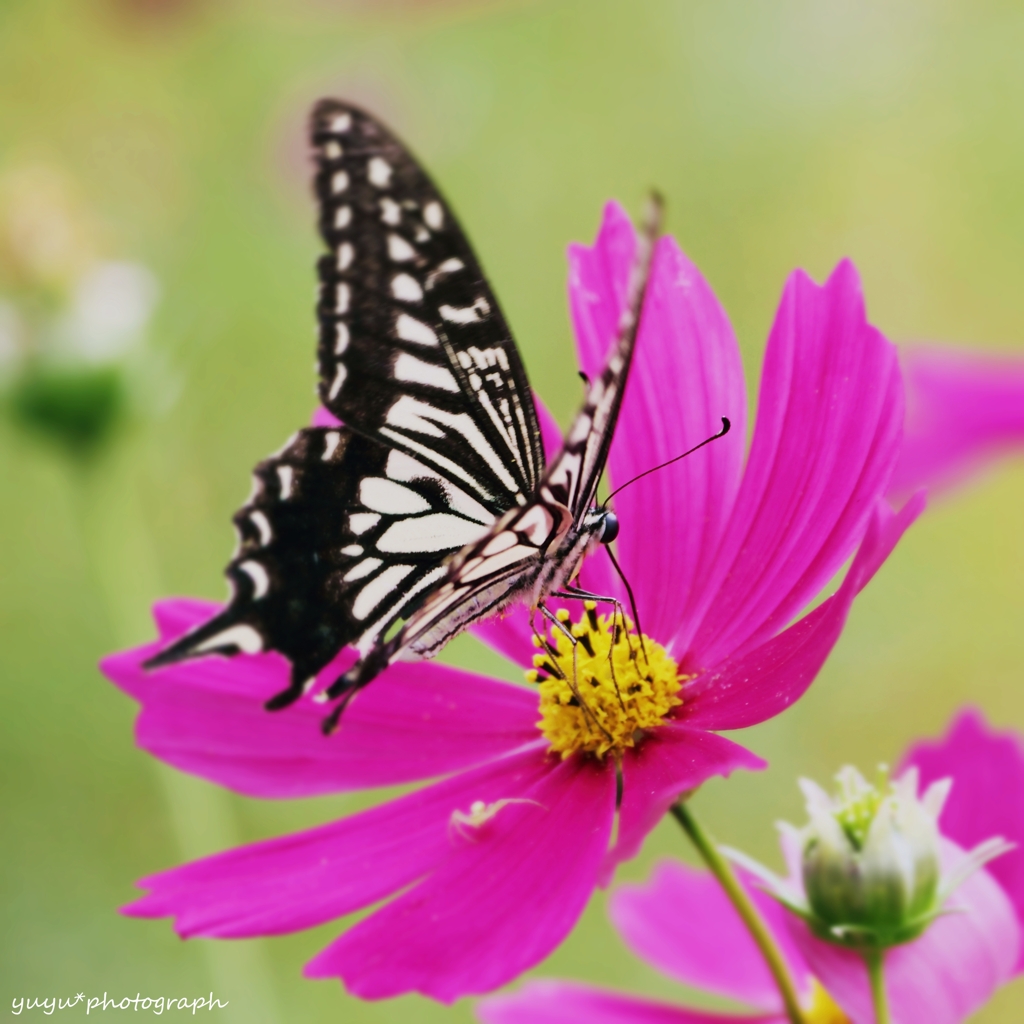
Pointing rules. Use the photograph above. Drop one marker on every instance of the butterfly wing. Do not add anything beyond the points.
(414, 350)
(350, 527)
(340, 537)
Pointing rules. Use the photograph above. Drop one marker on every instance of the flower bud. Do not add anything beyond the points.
(870, 858)
(870, 872)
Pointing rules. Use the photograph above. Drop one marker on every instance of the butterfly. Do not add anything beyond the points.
(431, 506)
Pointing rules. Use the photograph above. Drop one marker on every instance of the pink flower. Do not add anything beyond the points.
(964, 409)
(682, 923)
(487, 870)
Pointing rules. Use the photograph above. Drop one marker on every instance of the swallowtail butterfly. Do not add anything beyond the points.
(432, 504)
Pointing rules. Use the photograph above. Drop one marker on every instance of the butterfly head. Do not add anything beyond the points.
(601, 526)
(609, 526)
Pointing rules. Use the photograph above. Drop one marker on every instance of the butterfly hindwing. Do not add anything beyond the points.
(413, 349)
(341, 537)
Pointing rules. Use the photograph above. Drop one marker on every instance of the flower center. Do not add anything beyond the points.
(860, 802)
(599, 695)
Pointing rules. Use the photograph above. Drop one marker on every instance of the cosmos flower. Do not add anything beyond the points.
(964, 409)
(487, 870)
(682, 923)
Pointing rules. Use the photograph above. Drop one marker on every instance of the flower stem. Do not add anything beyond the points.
(875, 960)
(756, 925)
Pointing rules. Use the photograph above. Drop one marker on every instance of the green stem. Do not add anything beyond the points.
(723, 872)
(875, 960)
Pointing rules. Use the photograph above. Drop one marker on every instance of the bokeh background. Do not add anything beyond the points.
(166, 136)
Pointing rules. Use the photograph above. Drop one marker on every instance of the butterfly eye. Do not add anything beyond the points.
(611, 528)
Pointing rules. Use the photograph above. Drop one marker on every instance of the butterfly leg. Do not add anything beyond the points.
(632, 597)
(567, 633)
(543, 642)
(573, 683)
(575, 593)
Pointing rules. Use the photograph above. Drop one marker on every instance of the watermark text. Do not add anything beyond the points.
(150, 1004)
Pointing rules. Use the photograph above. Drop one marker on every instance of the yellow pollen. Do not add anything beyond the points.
(823, 1008)
(626, 686)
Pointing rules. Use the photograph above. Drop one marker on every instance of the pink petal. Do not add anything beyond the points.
(942, 977)
(550, 432)
(562, 1002)
(963, 409)
(495, 907)
(828, 430)
(509, 634)
(598, 282)
(987, 799)
(175, 616)
(671, 760)
(686, 375)
(417, 721)
(682, 923)
(302, 880)
(323, 417)
(756, 686)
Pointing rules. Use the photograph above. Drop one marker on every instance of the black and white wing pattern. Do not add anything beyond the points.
(413, 348)
(349, 527)
(431, 503)
(534, 550)
(341, 535)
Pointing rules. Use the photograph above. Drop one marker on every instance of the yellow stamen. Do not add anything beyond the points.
(823, 1008)
(627, 683)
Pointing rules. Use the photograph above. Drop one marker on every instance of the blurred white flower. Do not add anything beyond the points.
(110, 309)
(73, 362)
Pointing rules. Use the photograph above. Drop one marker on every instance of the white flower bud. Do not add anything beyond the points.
(870, 860)
(871, 857)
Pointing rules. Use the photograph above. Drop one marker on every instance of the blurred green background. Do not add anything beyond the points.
(783, 134)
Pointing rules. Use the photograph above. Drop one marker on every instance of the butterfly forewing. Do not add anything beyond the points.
(414, 350)
(572, 478)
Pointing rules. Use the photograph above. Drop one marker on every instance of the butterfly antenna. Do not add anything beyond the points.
(726, 426)
(632, 599)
